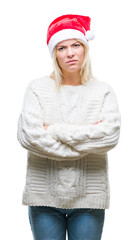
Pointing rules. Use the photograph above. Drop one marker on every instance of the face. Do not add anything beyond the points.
(70, 55)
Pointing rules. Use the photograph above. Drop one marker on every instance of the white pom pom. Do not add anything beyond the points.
(89, 35)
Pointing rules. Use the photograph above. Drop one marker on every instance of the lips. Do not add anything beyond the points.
(72, 61)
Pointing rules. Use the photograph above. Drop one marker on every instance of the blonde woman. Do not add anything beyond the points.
(68, 123)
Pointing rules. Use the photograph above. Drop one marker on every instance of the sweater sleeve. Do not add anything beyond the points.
(90, 138)
(33, 137)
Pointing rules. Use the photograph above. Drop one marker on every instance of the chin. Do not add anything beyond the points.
(73, 69)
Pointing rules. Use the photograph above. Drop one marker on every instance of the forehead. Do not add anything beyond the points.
(68, 42)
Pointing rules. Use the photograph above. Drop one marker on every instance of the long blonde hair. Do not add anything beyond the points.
(85, 72)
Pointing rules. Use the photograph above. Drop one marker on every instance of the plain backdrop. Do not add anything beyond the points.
(24, 56)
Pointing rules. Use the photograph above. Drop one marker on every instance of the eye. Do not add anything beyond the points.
(76, 45)
(61, 48)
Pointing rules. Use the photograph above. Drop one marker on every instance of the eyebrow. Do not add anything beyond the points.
(62, 45)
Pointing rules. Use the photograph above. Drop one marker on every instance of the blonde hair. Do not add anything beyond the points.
(85, 72)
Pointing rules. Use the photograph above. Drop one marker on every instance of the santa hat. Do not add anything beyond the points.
(69, 27)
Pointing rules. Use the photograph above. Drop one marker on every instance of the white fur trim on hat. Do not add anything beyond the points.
(64, 35)
(89, 35)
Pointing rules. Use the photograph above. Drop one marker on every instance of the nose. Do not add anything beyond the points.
(70, 52)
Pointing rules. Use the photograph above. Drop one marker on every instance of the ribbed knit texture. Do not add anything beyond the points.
(67, 163)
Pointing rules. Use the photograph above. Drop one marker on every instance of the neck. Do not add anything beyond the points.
(73, 79)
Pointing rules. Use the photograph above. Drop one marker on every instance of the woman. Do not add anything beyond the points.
(68, 123)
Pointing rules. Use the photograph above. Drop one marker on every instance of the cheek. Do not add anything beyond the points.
(82, 57)
(60, 60)
(82, 53)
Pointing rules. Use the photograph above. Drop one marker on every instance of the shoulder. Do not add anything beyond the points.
(43, 82)
(99, 86)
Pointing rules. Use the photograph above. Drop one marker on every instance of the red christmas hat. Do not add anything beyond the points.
(69, 27)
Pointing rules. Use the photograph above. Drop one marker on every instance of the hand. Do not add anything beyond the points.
(45, 126)
(97, 122)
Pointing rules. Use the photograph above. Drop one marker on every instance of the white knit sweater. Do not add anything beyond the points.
(67, 163)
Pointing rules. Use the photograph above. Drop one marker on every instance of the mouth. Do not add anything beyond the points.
(71, 61)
